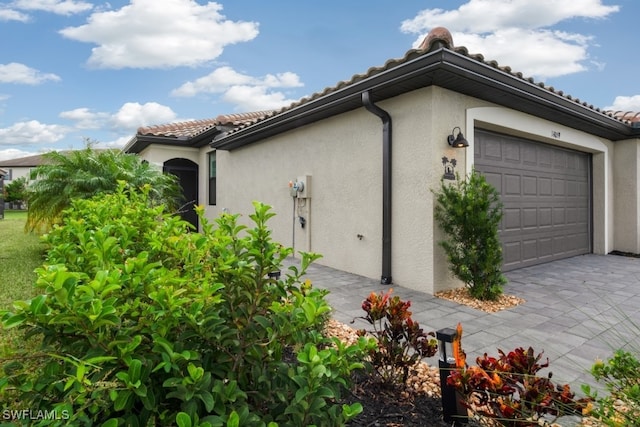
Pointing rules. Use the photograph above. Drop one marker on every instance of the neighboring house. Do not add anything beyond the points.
(371, 150)
(21, 167)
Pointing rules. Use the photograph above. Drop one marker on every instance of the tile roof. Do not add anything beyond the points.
(192, 128)
(440, 37)
(23, 162)
(36, 160)
(182, 130)
(626, 116)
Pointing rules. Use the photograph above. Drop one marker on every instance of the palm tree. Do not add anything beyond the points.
(86, 173)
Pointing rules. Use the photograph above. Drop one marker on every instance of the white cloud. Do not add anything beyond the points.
(218, 81)
(127, 119)
(12, 15)
(247, 92)
(517, 32)
(255, 98)
(512, 47)
(133, 115)
(59, 7)
(14, 153)
(144, 35)
(625, 103)
(31, 132)
(20, 73)
(85, 118)
(482, 16)
(116, 143)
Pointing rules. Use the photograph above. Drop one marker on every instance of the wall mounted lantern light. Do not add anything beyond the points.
(457, 141)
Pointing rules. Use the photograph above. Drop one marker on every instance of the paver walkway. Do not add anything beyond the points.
(577, 310)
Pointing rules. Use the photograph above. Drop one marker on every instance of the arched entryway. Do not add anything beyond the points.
(187, 173)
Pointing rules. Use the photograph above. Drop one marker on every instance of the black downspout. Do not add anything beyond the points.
(386, 185)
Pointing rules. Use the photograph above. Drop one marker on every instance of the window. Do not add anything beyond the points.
(7, 177)
(212, 178)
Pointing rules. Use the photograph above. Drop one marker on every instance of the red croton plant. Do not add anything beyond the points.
(401, 342)
(508, 389)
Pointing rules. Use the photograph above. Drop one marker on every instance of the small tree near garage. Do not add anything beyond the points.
(469, 212)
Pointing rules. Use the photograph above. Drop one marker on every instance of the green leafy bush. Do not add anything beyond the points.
(82, 174)
(400, 341)
(16, 190)
(145, 323)
(469, 212)
(621, 377)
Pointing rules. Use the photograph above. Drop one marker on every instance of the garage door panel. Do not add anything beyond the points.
(529, 249)
(545, 192)
(544, 217)
(511, 253)
(559, 160)
(494, 179)
(529, 217)
(558, 187)
(511, 219)
(512, 184)
(529, 155)
(546, 157)
(559, 217)
(529, 185)
(572, 216)
(511, 153)
(493, 151)
(544, 186)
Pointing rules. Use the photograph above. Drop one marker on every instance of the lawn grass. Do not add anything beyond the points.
(20, 255)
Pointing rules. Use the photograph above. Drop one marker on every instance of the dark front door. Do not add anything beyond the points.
(187, 173)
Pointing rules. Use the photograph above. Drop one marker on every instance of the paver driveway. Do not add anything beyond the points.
(577, 310)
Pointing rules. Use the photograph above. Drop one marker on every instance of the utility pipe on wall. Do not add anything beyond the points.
(386, 184)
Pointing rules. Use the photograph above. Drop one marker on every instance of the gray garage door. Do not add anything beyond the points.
(546, 195)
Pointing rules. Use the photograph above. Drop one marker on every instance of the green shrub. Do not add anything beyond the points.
(469, 212)
(82, 174)
(144, 323)
(621, 377)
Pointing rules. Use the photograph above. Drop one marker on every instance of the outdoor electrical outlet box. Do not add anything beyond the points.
(306, 190)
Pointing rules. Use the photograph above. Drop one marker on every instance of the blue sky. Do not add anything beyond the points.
(72, 70)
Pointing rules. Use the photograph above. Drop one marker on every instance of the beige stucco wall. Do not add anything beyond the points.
(627, 201)
(343, 157)
(158, 154)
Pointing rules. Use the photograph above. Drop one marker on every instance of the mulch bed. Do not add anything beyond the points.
(415, 403)
(462, 296)
(393, 406)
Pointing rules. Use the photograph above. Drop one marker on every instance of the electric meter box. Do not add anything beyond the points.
(306, 187)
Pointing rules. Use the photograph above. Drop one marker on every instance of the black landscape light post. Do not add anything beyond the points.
(452, 409)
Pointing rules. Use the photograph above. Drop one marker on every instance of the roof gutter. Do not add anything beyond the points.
(444, 68)
(385, 279)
